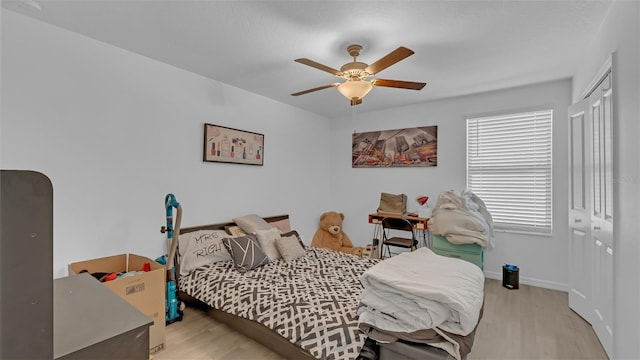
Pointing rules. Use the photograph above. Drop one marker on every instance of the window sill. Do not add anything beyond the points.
(522, 232)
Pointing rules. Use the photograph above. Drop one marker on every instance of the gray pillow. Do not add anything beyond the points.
(252, 223)
(289, 247)
(245, 252)
(200, 248)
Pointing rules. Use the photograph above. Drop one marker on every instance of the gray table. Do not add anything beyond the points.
(92, 322)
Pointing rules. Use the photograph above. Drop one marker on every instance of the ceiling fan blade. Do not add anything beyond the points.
(388, 60)
(315, 89)
(399, 84)
(319, 66)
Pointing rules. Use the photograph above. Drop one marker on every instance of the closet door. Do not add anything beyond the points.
(602, 212)
(591, 210)
(580, 242)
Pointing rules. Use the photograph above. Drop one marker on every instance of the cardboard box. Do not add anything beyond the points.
(145, 291)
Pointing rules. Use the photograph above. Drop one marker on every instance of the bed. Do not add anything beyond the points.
(301, 309)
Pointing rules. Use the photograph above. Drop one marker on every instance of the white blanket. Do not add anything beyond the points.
(422, 290)
(462, 218)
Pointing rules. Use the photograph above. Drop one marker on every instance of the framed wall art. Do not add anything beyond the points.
(223, 144)
(396, 148)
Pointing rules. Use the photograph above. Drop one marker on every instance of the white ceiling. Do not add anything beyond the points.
(461, 47)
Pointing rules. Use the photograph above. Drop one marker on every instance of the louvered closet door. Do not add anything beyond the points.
(602, 212)
(580, 242)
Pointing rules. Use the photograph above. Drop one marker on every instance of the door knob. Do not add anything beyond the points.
(596, 228)
(577, 220)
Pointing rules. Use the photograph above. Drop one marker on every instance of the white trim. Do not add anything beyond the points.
(600, 75)
(513, 110)
(531, 233)
(553, 285)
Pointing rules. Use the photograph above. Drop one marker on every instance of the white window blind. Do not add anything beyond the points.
(509, 168)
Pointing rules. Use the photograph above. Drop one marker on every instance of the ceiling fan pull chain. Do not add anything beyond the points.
(354, 115)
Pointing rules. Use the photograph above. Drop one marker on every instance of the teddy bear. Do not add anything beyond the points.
(331, 236)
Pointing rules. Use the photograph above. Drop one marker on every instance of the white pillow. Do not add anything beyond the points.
(200, 248)
(267, 240)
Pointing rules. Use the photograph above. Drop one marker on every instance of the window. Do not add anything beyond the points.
(509, 168)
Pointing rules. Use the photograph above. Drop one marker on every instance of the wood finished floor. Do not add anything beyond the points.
(529, 323)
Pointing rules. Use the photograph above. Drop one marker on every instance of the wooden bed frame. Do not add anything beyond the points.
(253, 330)
(274, 341)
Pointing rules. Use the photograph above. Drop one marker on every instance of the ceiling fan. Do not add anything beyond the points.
(356, 74)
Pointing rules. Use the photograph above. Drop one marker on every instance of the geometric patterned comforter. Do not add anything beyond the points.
(310, 301)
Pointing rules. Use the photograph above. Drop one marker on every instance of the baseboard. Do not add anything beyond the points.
(530, 281)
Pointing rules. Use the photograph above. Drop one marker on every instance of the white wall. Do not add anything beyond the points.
(356, 192)
(620, 34)
(116, 132)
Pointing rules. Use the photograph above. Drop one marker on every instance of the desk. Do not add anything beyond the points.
(419, 224)
(92, 322)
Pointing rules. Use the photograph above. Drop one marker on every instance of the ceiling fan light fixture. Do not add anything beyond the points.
(356, 74)
(355, 90)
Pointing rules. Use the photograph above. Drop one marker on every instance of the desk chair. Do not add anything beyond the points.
(396, 225)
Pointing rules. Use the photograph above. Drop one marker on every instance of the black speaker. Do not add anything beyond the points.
(26, 265)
